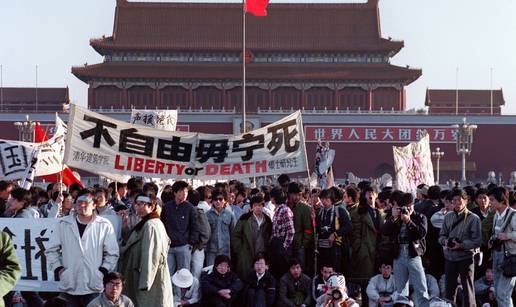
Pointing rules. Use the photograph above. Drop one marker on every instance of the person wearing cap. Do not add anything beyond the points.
(303, 226)
(336, 294)
(186, 289)
(82, 249)
(222, 222)
(251, 236)
(112, 295)
(143, 257)
(460, 237)
(221, 287)
(421, 196)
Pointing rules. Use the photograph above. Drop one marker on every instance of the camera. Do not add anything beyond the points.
(404, 210)
(451, 242)
(496, 243)
(336, 294)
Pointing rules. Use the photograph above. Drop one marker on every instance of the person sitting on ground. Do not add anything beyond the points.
(221, 287)
(186, 289)
(336, 294)
(381, 287)
(483, 284)
(294, 288)
(112, 295)
(261, 285)
(319, 281)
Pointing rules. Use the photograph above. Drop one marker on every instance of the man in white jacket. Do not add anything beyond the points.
(381, 287)
(82, 249)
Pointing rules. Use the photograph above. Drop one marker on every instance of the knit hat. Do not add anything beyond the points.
(220, 259)
(423, 189)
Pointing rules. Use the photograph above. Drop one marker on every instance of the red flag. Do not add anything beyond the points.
(256, 7)
(67, 174)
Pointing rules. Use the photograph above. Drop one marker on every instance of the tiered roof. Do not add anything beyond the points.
(23, 99)
(332, 28)
(436, 97)
(313, 27)
(233, 71)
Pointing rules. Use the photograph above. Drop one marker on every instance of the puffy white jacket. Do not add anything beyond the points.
(82, 257)
(378, 284)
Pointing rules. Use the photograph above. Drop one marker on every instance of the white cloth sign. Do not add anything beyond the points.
(98, 143)
(30, 236)
(16, 156)
(159, 119)
(413, 165)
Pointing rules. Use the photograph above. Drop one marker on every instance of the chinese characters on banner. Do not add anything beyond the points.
(98, 143)
(15, 156)
(380, 134)
(30, 237)
(413, 165)
(159, 119)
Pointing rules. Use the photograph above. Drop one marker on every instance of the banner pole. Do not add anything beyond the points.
(243, 130)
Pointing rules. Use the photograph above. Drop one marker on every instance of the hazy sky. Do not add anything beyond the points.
(439, 35)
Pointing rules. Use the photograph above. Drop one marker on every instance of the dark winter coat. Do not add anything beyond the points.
(242, 242)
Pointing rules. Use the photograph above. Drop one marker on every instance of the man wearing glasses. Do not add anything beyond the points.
(222, 221)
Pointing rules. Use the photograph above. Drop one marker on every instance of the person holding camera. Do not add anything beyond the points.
(336, 294)
(332, 224)
(407, 230)
(460, 237)
(503, 241)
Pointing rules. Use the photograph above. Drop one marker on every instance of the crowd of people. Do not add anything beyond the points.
(132, 244)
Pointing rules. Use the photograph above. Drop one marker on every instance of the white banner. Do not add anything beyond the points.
(413, 165)
(98, 143)
(159, 119)
(30, 236)
(15, 156)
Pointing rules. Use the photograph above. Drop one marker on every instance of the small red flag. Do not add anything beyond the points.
(67, 174)
(256, 7)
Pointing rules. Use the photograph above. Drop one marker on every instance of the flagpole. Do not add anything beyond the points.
(491, 91)
(457, 91)
(2, 87)
(36, 88)
(243, 68)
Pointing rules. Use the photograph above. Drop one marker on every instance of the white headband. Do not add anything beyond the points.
(85, 198)
(144, 199)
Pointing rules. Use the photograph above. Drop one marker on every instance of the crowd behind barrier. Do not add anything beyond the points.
(133, 244)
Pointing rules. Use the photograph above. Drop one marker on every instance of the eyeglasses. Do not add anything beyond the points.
(115, 284)
(219, 199)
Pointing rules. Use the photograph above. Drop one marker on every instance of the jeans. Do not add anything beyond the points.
(466, 270)
(179, 257)
(299, 254)
(503, 285)
(197, 263)
(410, 270)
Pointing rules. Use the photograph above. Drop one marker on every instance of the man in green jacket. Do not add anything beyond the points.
(303, 224)
(9, 266)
